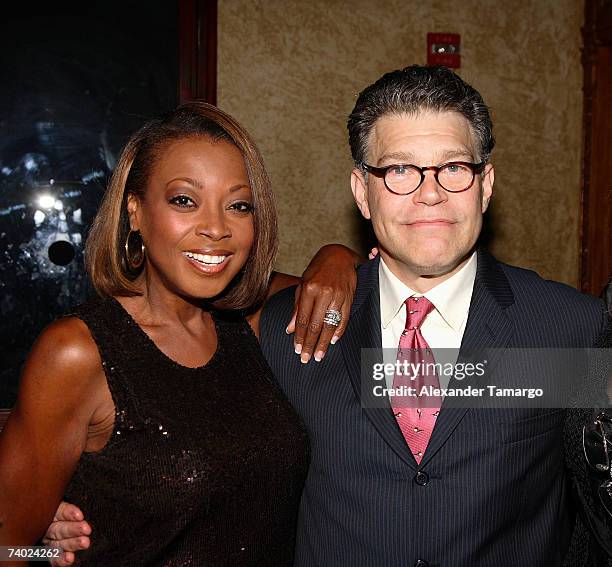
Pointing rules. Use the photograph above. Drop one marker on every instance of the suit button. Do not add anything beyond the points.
(421, 563)
(422, 479)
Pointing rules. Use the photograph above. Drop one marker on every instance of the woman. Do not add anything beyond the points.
(152, 408)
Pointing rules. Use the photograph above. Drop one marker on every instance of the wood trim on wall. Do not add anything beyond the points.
(596, 195)
(198, 50)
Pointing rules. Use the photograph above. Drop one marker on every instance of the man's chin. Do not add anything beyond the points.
(434, 267)
(433, 270)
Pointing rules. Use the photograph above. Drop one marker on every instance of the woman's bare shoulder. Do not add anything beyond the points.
(64, 355)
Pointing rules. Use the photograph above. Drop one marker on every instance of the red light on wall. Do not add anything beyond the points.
(444, 49)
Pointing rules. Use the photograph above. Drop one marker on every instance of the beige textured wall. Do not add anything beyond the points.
(290, 70)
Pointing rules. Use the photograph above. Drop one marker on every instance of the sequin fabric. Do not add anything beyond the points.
(205, 465)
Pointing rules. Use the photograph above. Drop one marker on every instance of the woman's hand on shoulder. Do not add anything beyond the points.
(61, 386)
(328, 283)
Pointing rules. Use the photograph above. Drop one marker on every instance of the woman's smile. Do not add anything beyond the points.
(211, 262)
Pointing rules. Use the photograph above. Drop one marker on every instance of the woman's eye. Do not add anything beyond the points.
(182, 201)
(242, 207)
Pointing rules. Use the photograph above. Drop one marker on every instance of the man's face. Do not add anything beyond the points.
(427, 236)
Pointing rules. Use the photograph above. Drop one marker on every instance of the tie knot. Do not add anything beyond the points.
(417, 308)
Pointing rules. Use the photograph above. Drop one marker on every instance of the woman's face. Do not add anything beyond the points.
(196, 218)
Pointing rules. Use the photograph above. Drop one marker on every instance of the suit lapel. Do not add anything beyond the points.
(488, 327)
(364, 332)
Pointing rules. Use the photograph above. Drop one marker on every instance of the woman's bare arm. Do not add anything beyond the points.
(61, 387)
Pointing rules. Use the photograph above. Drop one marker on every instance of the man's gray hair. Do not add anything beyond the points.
(415, 89)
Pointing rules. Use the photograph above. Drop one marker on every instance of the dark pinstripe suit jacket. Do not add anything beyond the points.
(491, 488)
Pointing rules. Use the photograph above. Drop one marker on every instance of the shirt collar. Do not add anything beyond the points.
(451, 298)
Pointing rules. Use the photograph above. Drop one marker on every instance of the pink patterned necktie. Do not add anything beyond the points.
(416, 417)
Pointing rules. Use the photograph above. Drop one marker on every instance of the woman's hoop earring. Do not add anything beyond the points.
(134, 260)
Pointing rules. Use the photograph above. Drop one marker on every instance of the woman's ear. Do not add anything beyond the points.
(133, 209)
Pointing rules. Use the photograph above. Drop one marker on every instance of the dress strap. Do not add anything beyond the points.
(104, 321)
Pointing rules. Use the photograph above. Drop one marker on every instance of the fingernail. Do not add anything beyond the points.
(319, 355)
(298, 349)
(287, 330)
(334, 340)
(305, 358)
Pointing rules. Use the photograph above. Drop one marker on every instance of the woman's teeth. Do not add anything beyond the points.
(205, 258)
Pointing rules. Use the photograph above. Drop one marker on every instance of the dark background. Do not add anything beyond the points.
(76, 80)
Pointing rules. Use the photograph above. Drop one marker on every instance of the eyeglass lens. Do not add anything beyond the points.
(406, 178)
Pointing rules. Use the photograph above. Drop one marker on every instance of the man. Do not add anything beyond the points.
(430, 487)
(489, 489)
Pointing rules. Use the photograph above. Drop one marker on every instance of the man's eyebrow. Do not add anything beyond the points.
(404, 157)
(454, 154)
(443, 156)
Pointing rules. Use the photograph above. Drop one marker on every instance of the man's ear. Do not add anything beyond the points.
(487, 186)
(359, 186)
(134, 212)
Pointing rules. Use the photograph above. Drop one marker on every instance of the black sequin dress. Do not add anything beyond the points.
(205, 465)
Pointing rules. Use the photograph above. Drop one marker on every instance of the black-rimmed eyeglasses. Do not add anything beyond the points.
(403, 179)
(597, 446)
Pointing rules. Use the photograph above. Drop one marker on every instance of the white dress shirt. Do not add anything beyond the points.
(443, 328)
